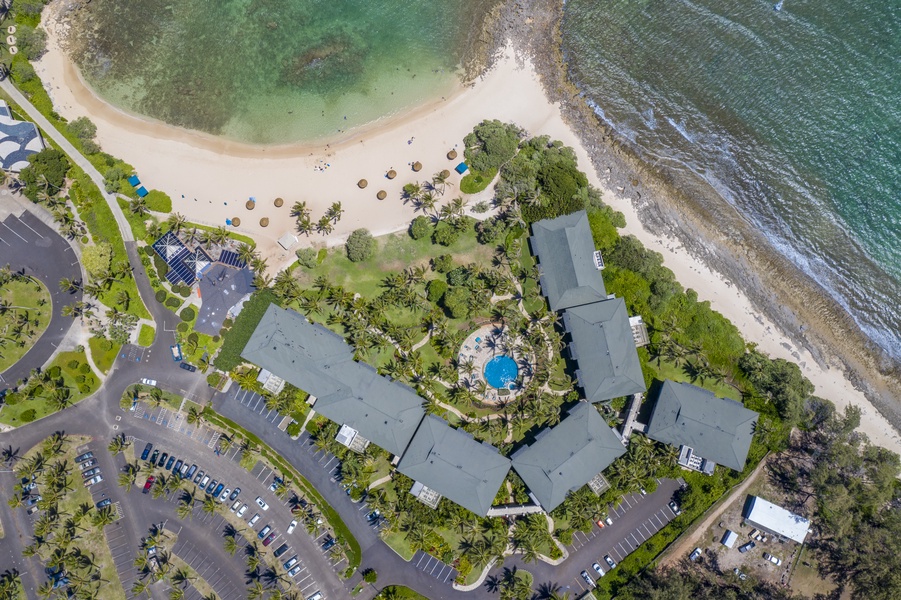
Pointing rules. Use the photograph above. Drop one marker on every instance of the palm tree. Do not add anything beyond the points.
(103, 517)
(209, 505)
(139, 587)
(66, 285)
(118, 444)
(247, 252)
(334, 212)
(230, 544)
(324, 225)
(138, 206)
(181, 577)
(176, 222)
(194, 416)
(300, 210)
(122, 299)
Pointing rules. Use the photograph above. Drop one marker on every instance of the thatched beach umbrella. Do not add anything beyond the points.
(250, 204)
(279, 203)
(382, 195)
(362, 183)
(417, 166)
(264, 222)
(391, 174)
(452, 155)
(236, 222)
(445, 173)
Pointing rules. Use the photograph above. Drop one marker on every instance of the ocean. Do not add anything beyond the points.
(793, 116)
(271, 71)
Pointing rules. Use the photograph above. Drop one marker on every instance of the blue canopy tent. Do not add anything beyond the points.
(134, 181)
(462, 168)
(142, 191)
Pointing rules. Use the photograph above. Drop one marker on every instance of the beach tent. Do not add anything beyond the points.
(142, 191)
(134, 181)
(462, 168)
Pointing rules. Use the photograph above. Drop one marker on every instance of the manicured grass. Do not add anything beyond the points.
(476, 181)
(670, 370)
(146, 335)
(232, 234)
(27, 299)
(395, 540)
(236, 338)
(399, 592)
(104, 353)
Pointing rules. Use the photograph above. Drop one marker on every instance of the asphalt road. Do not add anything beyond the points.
(27, 243)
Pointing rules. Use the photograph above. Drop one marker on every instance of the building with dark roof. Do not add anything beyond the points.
(448, 462)
(604, 348)
(18, 140)
(564, 458)
(569, 265)
(220, 290)
(706, 429)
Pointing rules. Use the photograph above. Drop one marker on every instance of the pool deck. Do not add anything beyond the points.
(491, 344)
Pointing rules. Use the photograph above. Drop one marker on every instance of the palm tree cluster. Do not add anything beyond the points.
(324, 225)
(531, 536)
(424, 196)
(511, 584)
(69, 225)
(48, 385)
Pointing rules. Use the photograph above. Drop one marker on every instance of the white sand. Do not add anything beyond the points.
(222, 175)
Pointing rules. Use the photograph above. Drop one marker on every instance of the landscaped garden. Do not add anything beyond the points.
(25, 312)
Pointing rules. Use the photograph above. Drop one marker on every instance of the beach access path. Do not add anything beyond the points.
(66, 146)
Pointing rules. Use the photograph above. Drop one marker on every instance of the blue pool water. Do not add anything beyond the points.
(501, 371)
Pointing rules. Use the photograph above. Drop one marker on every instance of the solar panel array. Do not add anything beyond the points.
(227, 257)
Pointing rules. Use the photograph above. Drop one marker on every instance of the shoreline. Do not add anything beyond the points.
(525, 83)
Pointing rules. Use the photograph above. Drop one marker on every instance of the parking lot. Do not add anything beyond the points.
(257, 404)
(429, 564)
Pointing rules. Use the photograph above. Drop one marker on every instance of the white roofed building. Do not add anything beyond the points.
(774, 519)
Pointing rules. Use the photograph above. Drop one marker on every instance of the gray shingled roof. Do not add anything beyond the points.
(718, 429)
(605, 350)
(568, 456)
(306, 355)
(384, 412)
(455, 465)
(565, 250)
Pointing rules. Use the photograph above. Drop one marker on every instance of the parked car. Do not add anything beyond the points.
(146, 451)
(262, 504)
(294, 571)
(83, 457)
(264, 531)
(316, 596)
(188, 367)
(373, 517)
(199, 476)
(32, 500)
(149, 483)
(601, 523)
(104, 503)
(275, 482)
(225, 494)
(772, 559)
(587, 578)
(87, 464)
(30, 486)
(170, 463)
(597, 569)
(235, 506)
(291, 527)
(328, 543)
(280, 550)
(242, 510)
(218, 490)
(608, 521)
(176, 469)
(234, 494)
(205, 480)
(212, 486)
(183, 471)
(269, 539)
(738, 572)
(254, 519)
(191, 472)
(695, 554)
(147, 381)
(746, 547)
(675, 508)
(91, 472)
(154, 456)
(609, 561)
(163, 459)
(93, 480)
(176, 352)
(290, 562)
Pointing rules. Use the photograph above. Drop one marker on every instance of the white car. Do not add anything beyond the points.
(146, 381)
(242, 510)
(93, 480)
(204, 481)
(294, 571)
(772, 559)
(235, 506)
(262, 504)
(597, 569)
(224, 495)
(292, 526)
(254, 520)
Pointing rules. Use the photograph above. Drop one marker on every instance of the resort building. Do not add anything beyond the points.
(18, 140)
(604, 348)
(569, 266)
(448, 462)
(706, 429)
(775, 520)
(564, 458)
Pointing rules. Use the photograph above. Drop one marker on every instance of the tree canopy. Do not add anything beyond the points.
(491, 144)
(360, 245)
(49, 165)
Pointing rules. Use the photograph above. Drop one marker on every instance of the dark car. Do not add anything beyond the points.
(169, 463)
(234, 494)
(280, 550)
(187, 367)
(218, 490)
(104, 503)
(163, 459)
(269, 539)
(177, 468)
(199, 476)
(154, 456)
(191, 472)
(328, 543)
(746, 547)
(149, 483)
(84, 457)
(32, 500)
(91, 472)
(212, 486)
(146, 451)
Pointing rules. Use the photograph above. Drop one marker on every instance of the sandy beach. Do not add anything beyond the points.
(210, 180)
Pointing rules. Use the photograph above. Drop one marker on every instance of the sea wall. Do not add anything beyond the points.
(679, 206)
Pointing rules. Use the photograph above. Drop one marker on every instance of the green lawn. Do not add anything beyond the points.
(104, 353)
(36, 407)
(27, 300)
(232, 234)
(476, 181)
(669, 370)
(146, 335)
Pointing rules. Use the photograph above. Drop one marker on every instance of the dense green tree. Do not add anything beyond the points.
(360, 245)
(46, 171)
(420, 227)
(491, 144)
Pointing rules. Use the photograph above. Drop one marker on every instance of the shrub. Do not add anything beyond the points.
(84, 388)
(443, 263)
(370, 576)
(32, 41)
(49, 162)
(458, 276)
(54, 372)
(420, 227)
(97, 258)
(79, 379)
(27, 416)
(216, 339)
(293, 429)
(182, 327)
(13, 398)
(306, 257)
(491, 144)
(161, 267)
(85, 368)
(456, 301)
(148, 250)
(73, 364)
(360, 245)
(172, 302)
(480, 207)
(435, 290)
(193, 338)
(323, 252)
(161, 296)
(445, 235)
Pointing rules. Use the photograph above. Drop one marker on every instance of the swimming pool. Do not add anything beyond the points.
(501, 371)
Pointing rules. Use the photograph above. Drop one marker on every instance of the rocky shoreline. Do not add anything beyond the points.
(688, 211)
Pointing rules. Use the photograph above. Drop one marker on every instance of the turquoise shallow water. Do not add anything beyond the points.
(272, 71)
(794, 117)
